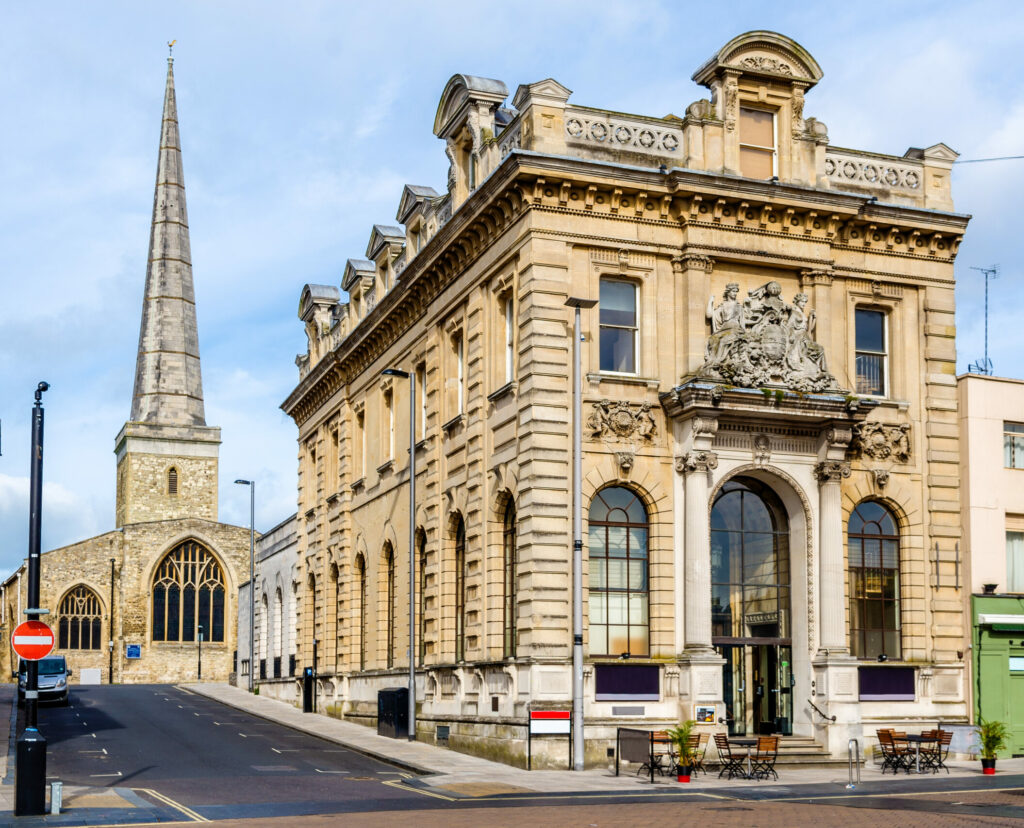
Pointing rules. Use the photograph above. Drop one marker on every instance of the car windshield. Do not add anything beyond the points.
(51, 666)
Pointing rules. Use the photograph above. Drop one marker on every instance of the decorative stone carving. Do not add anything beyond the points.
(704, 461)
(621, 421)
(695, 261)
(764, 341)
(831, 471)
(762, 449)
(881, 477)
(704, 426)
(839, 436)
(762, 63)
(880, 441)
(625, 459)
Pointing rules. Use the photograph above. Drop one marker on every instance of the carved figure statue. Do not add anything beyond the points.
(764, 341)
(804, 354)
(726, 324)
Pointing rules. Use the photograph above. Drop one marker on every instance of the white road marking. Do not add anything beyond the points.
(98, 775)
(285, 750)
(330, 771)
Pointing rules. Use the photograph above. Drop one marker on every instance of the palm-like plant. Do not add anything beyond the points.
(680, 737)
(992, 736)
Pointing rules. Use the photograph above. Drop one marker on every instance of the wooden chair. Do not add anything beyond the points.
(732, 764)
(892, 756)
(764, 760)
(934, 755)
(701, 751)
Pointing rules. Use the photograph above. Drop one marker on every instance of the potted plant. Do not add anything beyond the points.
(992, 739)
(680, 737)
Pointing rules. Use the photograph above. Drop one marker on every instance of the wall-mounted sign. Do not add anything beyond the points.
(133, 651)
(704, 714)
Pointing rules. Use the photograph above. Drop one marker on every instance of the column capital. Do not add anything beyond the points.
(692, 461)
(831, 471)
(815, 277)
(693, 261)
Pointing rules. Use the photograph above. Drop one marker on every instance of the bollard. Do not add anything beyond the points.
(56, 796)
(30, 774)
(853, 748)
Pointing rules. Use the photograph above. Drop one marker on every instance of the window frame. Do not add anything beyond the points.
(460, 589)
(1014, 441)
(510, 338)
(172, 481)
(741, 144)
(73, 620)
(635, 328)
(390, 594)
(509, 580)
(858, 635)
(178, 569)
(884, 354)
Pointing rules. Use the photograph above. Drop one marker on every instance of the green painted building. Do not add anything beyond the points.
(998, 639)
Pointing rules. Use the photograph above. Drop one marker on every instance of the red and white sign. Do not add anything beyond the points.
(550, 721)
(32, 640)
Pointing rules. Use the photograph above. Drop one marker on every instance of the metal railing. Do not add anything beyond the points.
(815, 708)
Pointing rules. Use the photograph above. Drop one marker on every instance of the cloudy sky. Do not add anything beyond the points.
(300, 123)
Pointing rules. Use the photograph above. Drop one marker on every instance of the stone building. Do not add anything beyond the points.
(992, 472)
(130, 605)
(770, 451)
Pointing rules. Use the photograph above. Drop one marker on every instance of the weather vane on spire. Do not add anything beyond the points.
(170, 48)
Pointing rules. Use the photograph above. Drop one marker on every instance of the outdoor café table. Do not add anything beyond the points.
(917, 741)
(748, 744)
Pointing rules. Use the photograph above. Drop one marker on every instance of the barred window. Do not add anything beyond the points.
(78, 624)
(172, 481)
(188, 593)
(872, 352)
(509, 566)
(460, 589)
(389, 571)
(421, 546)
(361, 617)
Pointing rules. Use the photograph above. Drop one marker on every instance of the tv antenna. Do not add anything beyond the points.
(984, 366)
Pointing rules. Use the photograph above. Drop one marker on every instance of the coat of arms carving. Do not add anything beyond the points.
(764, 341)
(620, 421)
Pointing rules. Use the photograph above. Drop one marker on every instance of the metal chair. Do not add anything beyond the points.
(730, 762)
(764, 760)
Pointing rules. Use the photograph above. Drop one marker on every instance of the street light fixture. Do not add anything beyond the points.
(252, 574)
(411, 376)
(577, 534)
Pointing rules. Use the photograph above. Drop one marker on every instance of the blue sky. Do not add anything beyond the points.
(300, 123)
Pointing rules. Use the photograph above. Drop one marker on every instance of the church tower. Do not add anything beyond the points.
(166, 454)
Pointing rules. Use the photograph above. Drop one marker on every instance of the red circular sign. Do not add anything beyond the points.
(32, 640)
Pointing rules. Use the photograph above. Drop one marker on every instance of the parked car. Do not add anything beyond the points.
(53, 680)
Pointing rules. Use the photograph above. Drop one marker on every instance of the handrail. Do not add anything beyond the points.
(853, 749)
(818, 711)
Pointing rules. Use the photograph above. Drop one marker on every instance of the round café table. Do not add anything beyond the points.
(748, 743)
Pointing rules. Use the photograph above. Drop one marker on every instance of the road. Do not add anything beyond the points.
(190, 758)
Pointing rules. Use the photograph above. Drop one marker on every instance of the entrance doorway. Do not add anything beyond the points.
(750, 607)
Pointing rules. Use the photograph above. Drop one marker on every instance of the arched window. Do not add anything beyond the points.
(361, 610)
(509, 567)
(389, 597)
(172, 481)
(874, 561)
(460, 589)
(421, 555)
(78, 622)
(618, 609)
(188, 593)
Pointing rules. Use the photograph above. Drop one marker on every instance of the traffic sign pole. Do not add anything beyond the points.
(30, 762)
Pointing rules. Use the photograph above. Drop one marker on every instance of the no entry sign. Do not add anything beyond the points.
(32, 640)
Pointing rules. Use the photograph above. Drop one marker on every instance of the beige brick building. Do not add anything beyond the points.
(770, 423)
(130, 605)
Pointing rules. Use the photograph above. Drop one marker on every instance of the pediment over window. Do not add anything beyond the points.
(762, 53)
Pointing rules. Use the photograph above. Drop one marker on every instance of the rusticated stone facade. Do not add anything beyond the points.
(762, 298)
(127, 606)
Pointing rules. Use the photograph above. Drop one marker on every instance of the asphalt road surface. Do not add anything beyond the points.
(213, 759)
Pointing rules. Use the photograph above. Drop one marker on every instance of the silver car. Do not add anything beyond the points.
(53, 680)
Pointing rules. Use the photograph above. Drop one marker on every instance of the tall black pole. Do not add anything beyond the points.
(30, 765)
(199, 671)
(110, 642)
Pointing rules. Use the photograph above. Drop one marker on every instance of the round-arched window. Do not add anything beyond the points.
(619, 612)
(873, 553)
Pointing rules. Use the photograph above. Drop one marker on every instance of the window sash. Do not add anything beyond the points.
(510, 357)
(1015, 561)
(871, 352)
(1013, 445)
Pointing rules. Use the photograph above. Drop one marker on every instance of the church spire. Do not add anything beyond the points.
(168, 382)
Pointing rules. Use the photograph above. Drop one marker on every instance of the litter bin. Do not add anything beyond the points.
(393, 712)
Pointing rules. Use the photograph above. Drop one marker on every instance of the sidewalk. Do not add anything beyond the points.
(457, 775)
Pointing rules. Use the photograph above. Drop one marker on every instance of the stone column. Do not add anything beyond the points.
(830, 555)
(693, 282)
(697, 607)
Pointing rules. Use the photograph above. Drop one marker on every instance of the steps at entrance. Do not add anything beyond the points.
(803, 751)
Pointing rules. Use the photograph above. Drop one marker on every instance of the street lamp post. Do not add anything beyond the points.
(577, 534)
(252, 574)
(199, 671)
(411, 376)
(110, 641)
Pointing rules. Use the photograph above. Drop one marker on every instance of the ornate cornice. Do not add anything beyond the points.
(696, 461)
(831, 471)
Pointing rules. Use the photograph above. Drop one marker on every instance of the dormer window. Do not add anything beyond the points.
(757, 143)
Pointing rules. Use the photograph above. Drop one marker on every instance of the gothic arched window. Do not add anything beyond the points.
(188, 594)
(873, 552)
(618, 551)
(78, 624)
